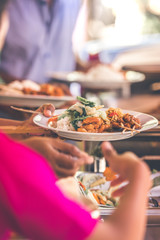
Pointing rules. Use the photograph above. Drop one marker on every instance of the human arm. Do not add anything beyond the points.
(129, 219)
(64, 158)
(80, 34)
(9, 122)
(21, 129)
(40, 210)
(4, 25)
(46, 109)
(70, 188)
(31, 204)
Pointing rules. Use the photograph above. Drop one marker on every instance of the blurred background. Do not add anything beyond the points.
(124, 35)
(105, 50)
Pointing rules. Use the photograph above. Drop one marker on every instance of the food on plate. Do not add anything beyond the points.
(32, 88)
(109, 174)
(95, 187)
(49, 90)
(98, 182)
(100, 72)
(20, 85)
(102, 197)
(84, 116)
(87, 180)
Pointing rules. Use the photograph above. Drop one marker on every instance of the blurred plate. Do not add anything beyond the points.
(87, 178)
(155, 192)
(33, 100)
(146, 120)
(93, 82)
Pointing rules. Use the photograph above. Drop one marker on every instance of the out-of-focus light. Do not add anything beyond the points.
(129, 19)
(154, 6)
(95, 214)
(109, 3)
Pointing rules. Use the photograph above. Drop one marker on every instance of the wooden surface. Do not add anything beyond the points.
(142, 103)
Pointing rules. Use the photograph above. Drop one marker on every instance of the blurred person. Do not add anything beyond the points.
(32, 204)
(4, 26)
(64, 158)
(41, 38)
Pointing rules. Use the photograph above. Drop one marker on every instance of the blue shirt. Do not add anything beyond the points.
(39, 39)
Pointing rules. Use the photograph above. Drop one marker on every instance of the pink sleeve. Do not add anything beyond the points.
(30, 202)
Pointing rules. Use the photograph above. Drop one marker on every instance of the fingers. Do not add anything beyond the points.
(68, 148)
(62, 164)
(47, 109)
(130, 155)
(108, 151)
(88, 203)
(119, 192)
(121, 184)
(65, 158)
(63, 173)
(110, 155)
(71, 150)
(67, 161)
(117, 181)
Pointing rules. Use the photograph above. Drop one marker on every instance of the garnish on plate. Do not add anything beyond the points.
(84, 116)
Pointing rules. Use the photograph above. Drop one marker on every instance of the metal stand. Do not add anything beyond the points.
(99, 163)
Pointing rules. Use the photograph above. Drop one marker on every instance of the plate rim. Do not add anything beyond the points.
(39, 97)
(63, 76)
(126, 134)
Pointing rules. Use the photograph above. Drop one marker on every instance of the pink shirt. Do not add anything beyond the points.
(30, 202)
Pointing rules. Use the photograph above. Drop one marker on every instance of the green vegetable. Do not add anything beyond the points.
(156, 182)
(69, 111)
(73, 114)
(84, 112)
(86, 191)
(62, 116)
(76, 120)
(74, 124)
(76, 114)
(154, 171)
(86, 102)
(81, 118)
(113, 200)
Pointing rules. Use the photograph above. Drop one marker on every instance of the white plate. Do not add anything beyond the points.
(33, 100)
(92, 177)
(94, 83)
(155, 192)
(146, 120)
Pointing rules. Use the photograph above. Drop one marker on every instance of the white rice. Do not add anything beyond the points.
(65, 124)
